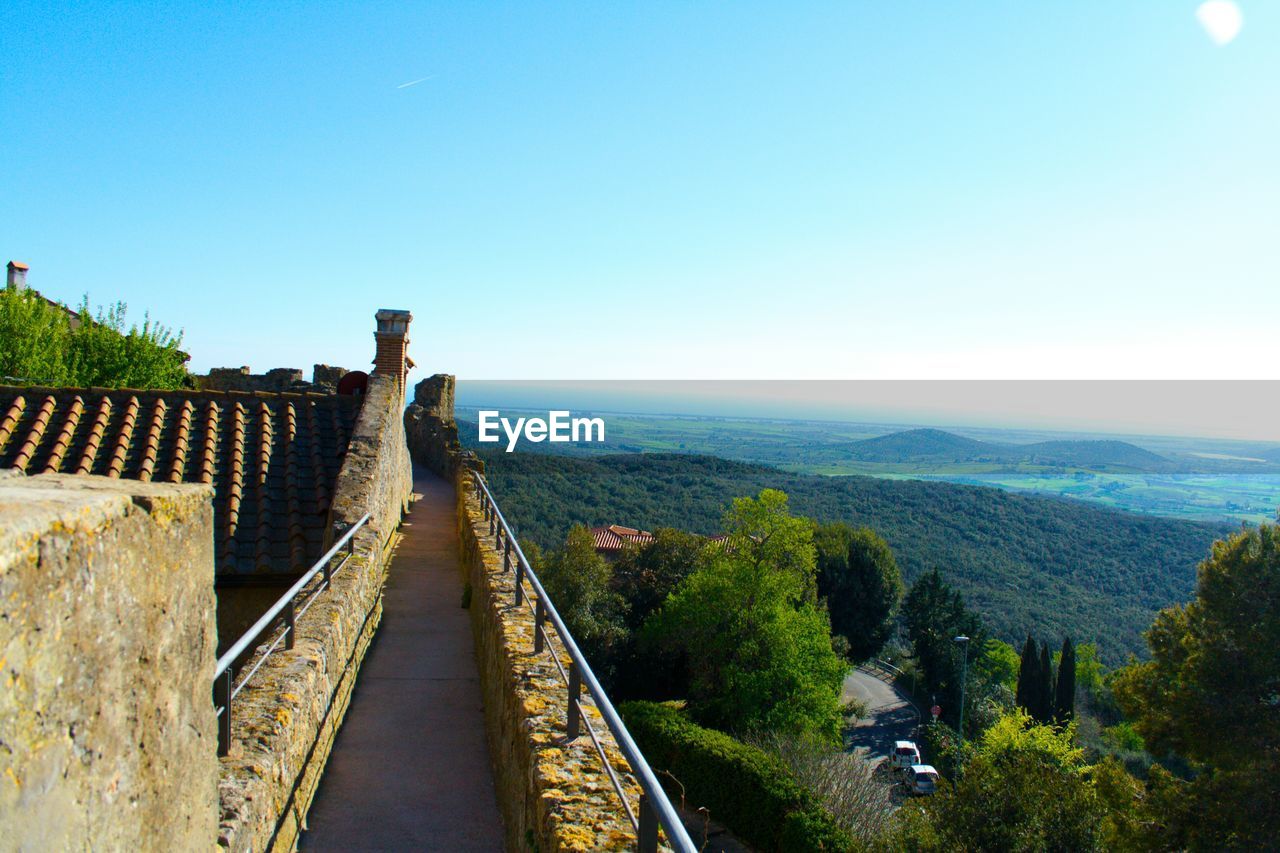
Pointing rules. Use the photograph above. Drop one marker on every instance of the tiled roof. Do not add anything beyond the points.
(616, 537)
(272, 458)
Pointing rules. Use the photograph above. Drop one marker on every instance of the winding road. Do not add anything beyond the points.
(891, 716)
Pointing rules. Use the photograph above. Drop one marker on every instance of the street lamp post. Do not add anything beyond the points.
(964, 677)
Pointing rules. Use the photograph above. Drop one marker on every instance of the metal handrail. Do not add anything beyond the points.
(288, 613)
(655, 807)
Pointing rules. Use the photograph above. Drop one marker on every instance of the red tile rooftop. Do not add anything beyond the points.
(272, 458)
(615, 537)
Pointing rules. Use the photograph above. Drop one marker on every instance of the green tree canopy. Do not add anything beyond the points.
(935, 614)
(758, 647)
(1211, 691)
(1024, 788)
(860, 580)
(579, 582)
(41, 345)
(645, 576)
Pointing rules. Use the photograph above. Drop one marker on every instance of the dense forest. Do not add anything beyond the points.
(1026, 564)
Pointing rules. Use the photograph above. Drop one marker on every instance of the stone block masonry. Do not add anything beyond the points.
(555, 794)
(285, 720)
(107, 733)
(430, 427)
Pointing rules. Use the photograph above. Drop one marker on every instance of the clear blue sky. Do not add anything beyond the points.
(715, 190)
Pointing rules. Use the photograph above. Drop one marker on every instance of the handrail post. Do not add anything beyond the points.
(539, 620)
(506, 556)
(222, 697)
(575, 691)
(648, 834)
(519, 584)
(289, 625)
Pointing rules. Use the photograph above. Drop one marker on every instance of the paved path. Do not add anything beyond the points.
(892, 716)
(410, 769)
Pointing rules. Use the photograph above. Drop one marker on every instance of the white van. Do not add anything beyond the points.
(904, 755)
(921, 779)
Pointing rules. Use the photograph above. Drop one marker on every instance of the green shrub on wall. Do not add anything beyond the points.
(745, 788)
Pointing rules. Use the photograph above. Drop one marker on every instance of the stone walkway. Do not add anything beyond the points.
(410, 768)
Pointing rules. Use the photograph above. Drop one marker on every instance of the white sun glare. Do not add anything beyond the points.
(1221, 19)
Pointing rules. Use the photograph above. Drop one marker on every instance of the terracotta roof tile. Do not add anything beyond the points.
(615, 537)
(272, 458)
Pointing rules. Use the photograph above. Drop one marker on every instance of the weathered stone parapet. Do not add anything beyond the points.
(324, 379)
(555, 794)
(107, 629)
(285, 720)
(377, 473)
(431, 430)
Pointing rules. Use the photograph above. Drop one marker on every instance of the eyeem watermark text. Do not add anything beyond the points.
(557, 426)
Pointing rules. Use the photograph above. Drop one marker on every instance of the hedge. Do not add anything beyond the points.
(745, 788)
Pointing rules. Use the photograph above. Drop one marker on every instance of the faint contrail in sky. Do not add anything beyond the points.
(415, 82)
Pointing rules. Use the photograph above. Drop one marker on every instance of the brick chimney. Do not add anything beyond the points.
(17, 278)
(392, 358)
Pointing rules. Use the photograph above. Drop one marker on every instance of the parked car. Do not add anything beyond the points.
(904, 755)
(921, 779)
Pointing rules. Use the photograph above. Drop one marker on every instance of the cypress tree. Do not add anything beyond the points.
(1027, 676)
(1044, 697)
(1065, 694)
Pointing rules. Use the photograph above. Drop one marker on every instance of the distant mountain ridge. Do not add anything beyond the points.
(935, 445)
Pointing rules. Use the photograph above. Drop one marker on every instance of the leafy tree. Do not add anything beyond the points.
(859, 578)
(32, 338)
(40, 344)
(1064, 694)
(102, 353)
(935, 615)
(1025, 787)
(993, 675)
(578, 580)
(1211, 692)
(645, 576)
(758, 647)
(1089, 668)
(997, 663)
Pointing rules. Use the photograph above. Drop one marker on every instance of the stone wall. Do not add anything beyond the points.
(555, 794)
(285, 720)
(430, 427)
(107, 733)
(324, 379)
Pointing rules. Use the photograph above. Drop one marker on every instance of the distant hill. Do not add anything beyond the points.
(1049, 565)
(935, 445)
(1095, 454)
(920, 445)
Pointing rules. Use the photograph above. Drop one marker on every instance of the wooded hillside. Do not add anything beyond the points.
(1049, 566)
